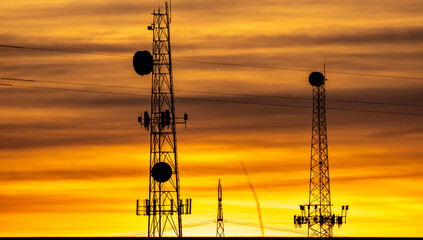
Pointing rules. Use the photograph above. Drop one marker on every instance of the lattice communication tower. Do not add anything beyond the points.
(317, 214)
(220, 231)
(164, 206)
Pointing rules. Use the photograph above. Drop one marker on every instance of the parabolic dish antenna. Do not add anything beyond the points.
(316, 79)
(161, 172)
(143, 62)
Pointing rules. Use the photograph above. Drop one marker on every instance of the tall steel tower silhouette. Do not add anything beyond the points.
(317, 214)
(164, 206)
(220, 231)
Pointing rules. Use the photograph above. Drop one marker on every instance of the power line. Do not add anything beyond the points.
(81, 90)
(301, 69)
(215, 63)
(245, 65)
(221, 101)
(217, 93)
(197, 224)
(140, 233)
(297, 106)
(265, 226)
(71, 83)
(304, 98)
(61, 50)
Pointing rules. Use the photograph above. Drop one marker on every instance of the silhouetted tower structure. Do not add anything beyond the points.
(220, 231)
(164, 206)
(317, 214)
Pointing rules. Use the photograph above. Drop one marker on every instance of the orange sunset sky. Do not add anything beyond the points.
(73, 163)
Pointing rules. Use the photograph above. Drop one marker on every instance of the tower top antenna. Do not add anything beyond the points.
(169, 4)
(324, 68)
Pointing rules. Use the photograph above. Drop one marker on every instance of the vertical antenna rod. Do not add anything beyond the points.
(317, 214)
(164, 206)
(220, 231)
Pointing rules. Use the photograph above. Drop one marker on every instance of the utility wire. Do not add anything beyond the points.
(265, 226)
(300, 69)
(71, 83)
(61, 50)
(81, 90)
(214, 63)
(197, 224)
(219, 100)
(167, 229)
(216, 93)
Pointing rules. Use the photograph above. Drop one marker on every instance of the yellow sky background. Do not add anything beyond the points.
(74, 163)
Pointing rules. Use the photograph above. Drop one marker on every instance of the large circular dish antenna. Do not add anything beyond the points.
(161, 172)
(143, 62)
(316, 79)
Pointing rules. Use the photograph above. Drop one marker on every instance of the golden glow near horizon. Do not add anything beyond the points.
(74, 163)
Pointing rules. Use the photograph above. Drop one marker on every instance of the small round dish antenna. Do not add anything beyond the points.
(316, 79)
(161, 172)
(143, 62)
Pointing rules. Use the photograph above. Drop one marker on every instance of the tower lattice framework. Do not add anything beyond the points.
(317, 214)
(164, 206)
(319, 168)
(220, 231)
